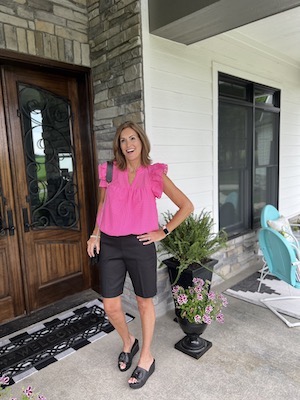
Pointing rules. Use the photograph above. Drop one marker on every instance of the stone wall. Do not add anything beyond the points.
(116, 60)
(57, 30)
(241, 254)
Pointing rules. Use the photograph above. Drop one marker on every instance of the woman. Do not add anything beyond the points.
(127, 221)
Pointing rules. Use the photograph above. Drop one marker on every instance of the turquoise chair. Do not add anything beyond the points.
(282, 259)
(268, 212)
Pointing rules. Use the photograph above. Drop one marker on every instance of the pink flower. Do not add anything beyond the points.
(198, 281)
(41, 397)
(199, 296)
(207, 319)
(175, 289)
(220, 318)
(182, 299)
(208, 309)
(28, 391)
(4, 380)
(211, 295)
(197, 319)
(224, 300)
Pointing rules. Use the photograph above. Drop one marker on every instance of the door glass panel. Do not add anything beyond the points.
(49, 155)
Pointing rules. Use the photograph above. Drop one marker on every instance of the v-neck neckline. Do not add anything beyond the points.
(134, 178)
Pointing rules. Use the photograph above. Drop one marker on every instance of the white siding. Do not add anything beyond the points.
(182, 115)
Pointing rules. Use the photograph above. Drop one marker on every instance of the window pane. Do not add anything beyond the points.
(234, 162)
(266, 160)
(248, 152)
(264, 97)
(232, 90)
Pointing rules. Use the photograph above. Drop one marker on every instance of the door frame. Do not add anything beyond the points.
(89, 162)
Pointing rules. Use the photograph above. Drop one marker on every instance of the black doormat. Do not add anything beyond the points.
(45, 343)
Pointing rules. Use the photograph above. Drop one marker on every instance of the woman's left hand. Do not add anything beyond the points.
(151, 237)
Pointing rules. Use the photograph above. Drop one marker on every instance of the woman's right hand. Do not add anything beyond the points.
(93, 244)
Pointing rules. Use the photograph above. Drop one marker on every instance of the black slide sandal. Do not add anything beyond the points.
(126, 358)
(141, 375)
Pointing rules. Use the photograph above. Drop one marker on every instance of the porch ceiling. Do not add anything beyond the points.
(270, 25)
(278, 35)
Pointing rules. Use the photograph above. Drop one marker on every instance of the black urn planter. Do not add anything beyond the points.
(192, 344)
(193, 271)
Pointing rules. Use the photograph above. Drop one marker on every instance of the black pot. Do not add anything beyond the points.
(190, 328)
(192, 344)
(193, 271)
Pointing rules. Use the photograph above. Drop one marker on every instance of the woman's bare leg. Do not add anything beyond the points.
(114, 311)
(147, 315)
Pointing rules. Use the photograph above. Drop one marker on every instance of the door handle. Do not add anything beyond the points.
(10, 228)
(25, 220)
(2, 227)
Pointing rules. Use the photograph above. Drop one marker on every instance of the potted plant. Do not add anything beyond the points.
(191, 245)
(27, 393)
(197, 307)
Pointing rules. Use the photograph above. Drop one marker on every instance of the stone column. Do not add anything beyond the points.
(116, 61)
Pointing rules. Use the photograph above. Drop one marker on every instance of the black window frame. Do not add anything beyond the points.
(243, 95)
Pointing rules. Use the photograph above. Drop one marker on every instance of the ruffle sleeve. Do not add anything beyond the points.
(156, 176)
(102, 175)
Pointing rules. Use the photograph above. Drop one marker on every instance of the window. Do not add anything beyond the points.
(248, 152)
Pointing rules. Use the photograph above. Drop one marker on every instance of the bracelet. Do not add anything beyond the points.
(95, 236)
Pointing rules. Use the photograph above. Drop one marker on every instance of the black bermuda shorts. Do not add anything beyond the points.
(122, 254)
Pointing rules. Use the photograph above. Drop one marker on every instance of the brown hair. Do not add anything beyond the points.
(119, 156)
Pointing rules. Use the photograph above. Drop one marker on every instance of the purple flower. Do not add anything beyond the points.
(4, 380)
(211, 295)
(182, 299)
(198, 281)
(199, 296)
(220, 318)
(197, 289)
(197, 319)
(224, 300)
(175, 289)
(41, 397)
(208, 309)
(28, 391)
(207, 319)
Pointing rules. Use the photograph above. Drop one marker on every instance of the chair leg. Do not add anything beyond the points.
(263, 273)
(275, 311)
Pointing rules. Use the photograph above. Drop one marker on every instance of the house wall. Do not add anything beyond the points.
(181, 110)
(183, 115)
(56, 30)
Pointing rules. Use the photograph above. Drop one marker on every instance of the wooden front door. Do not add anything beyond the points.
(43, 190)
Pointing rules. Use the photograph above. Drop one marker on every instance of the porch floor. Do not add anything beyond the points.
(254, 356)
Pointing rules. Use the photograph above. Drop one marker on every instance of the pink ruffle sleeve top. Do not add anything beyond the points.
(131, 208)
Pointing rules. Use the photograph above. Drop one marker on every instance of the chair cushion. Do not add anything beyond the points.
(283, 226)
